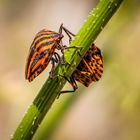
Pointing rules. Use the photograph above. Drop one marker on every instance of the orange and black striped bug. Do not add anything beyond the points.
(89, 70)
(42, 51)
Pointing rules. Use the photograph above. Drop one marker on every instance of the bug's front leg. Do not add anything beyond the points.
(69, 33)
(51, 73)
(55, 59)
(52, 69)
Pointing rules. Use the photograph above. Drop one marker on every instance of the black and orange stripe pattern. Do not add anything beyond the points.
(90, 68)
(41, 52)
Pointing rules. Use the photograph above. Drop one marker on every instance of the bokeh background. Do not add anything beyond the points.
(106, 110)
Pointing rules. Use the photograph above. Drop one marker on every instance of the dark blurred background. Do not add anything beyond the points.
(108, 109)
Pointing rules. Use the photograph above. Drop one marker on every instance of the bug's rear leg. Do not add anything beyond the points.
(71, 80)
(73, 84)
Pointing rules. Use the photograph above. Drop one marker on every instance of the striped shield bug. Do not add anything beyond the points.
(89, 70)
(42, 51)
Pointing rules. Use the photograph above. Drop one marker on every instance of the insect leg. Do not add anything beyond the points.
(54, 60)
(73, 84)
(67, 31)
(66, 47)
(60, 31)
(60, 28)
(58, 58)
(52, 69)
(69, 34)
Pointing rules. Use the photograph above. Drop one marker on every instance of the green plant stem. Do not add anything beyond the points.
(54, 118)
(97, 19)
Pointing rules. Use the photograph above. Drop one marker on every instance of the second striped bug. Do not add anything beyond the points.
(89, 70)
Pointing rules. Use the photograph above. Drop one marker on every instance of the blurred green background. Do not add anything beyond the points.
(106, 110)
